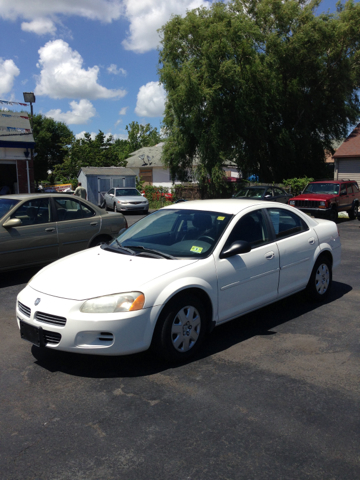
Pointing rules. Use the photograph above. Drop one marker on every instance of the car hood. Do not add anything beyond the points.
(315, 196)
(97, 272)
(134, 198)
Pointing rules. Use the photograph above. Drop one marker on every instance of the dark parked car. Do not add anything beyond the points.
(36, 229)
(264, 192)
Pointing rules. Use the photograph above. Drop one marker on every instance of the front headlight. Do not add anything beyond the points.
(121, 302)
(292, 202)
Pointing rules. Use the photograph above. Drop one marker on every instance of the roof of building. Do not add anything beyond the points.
(351, 145)
(15, 130)
(151, 157)
(108, 171)
(146, 157)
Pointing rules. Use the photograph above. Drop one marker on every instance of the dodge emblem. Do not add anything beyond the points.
(37, 301)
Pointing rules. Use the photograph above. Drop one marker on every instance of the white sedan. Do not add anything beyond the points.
(175, 275)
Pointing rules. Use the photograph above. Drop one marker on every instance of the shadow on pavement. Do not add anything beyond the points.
(259, 322)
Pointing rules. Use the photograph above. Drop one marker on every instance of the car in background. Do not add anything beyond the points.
(326, 198)
(36, 229)
(179, 272)
(126, 199)
(264, 192)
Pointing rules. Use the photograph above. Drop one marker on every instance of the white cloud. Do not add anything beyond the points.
(104, 10)
(117, 122)
(150, 100)
(40, 26)
(116, 71)
(62, 75)
(146, 16)
(80, 113)
(8, 72)
(123, 111)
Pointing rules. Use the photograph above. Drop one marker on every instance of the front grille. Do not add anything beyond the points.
(51, 337)
(135, 203)
(52, 319)
(307, 203)
(24, 309)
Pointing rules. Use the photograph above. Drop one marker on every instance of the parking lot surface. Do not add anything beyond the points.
(273, 395)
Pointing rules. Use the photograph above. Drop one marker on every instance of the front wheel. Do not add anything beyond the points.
(115, 209)
(353, 213)
(320, 281)
(180, 330)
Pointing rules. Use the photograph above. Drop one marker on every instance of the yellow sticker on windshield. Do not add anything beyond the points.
(220, 218)
(196, 249)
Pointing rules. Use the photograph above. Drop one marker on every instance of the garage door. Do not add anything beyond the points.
(349, 168)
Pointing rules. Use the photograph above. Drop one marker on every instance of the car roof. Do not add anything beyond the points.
(341, 180)
(27, 196)
(230, 206)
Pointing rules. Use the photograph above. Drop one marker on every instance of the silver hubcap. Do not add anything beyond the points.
(322, 279)
(185, 329)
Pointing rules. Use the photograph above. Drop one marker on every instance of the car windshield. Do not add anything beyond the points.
(328, 188)
(127, 192)
(251, 192)
(174, 232)
(6, 204)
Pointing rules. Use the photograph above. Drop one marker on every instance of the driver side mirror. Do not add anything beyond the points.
(236, 248)
(12, 222)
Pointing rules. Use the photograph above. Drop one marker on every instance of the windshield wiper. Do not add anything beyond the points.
(119, 248)
(151, 250)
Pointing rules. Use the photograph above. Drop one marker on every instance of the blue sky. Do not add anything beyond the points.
(91, 63)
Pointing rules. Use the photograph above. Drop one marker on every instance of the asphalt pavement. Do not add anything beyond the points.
(273, 395)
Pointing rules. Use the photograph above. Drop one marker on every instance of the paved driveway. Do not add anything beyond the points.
(273, 395)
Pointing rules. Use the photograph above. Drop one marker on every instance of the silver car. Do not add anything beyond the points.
(125, 200)
(36, 229)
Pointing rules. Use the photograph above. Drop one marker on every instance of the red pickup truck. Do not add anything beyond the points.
(326, 198)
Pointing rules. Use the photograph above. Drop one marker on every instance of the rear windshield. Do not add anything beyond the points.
(6, 204)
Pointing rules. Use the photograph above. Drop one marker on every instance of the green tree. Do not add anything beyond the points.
(51, 138)
(140, 136)
(265, 83)
(88, 152)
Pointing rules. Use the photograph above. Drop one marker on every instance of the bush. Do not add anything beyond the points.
(297, 185)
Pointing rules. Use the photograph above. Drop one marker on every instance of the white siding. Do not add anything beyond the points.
(349, 168)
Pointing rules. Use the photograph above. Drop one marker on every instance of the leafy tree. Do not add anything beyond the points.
(86, 152)
(51, 138)
(140, 136)
(265, 83)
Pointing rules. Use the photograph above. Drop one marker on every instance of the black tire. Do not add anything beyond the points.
(353, 213)
(320, 280)
(180, 330)
(333, 215)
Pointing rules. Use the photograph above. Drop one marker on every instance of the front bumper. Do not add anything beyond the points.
(316, 212)
(64, 327)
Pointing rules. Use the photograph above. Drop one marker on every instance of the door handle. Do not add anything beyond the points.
(50, 229)
(269, 255)
(312, 240)
(93, 223)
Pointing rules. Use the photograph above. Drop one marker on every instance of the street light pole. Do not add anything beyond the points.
(29, 97)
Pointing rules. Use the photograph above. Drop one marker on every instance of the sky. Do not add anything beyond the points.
(92, 64)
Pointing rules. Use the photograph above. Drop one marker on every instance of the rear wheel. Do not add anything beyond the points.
(181, 329)
(320, 281)
(353, 213)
